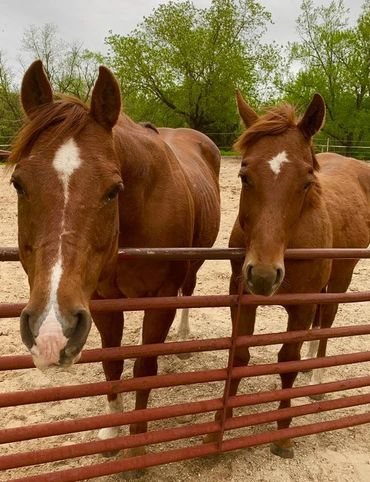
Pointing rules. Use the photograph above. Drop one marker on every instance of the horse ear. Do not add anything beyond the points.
(314, 117)
(246, 112)
(106, 99)
(36, 88)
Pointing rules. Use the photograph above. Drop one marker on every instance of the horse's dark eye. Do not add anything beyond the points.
(307, 185)
(113, 193)
(245, 179)
(20, 190)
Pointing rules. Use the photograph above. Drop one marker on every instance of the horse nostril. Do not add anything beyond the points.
(279, 276)
(248, 272)
(26, 332)
(83, 325)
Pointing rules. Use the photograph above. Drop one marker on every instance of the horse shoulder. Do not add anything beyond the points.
(346, 192)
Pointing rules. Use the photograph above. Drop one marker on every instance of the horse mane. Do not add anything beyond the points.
(149, 125)
(69, 114)
(275, 121)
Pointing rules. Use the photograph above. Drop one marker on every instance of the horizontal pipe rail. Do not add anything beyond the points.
(17, 434)
(23, 459)
(11, 254)
(8, 310)
(13, 362)
(239, 253)
(165, 435)
(171, 380)
(42, 456)
(151, 460)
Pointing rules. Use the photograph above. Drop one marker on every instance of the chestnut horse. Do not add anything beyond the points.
(291, 198)
(90, 180)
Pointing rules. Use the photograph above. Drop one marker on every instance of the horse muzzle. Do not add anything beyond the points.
(263, 279)
(56, 339)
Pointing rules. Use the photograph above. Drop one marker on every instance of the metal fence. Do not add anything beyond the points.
(359, 149)
(226, 374)
(226, 140)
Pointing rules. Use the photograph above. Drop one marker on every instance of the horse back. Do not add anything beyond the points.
(346, 191)
(199, 160)
(193, 150)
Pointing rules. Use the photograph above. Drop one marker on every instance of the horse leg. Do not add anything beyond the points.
(313, 345)
(187, 289)
(300, 318)
(183, 331)
(156, 325)
(328, 313)
(110, 326)
(338, 283)
(242, 355)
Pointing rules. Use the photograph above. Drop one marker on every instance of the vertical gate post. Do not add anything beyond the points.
(232, 349)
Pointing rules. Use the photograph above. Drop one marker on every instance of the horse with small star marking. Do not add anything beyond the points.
(291, 198)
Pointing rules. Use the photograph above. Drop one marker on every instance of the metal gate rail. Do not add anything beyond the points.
(225, 425)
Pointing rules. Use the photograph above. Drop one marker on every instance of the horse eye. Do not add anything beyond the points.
(245, 179)
(18, 187)
(113, 193)
(307, 185)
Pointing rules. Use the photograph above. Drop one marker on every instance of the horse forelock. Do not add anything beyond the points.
(276, 121)
(68, 115)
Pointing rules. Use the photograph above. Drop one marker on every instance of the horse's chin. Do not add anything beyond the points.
(44, 367)
(252, 291)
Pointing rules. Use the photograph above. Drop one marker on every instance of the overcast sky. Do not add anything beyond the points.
(89, 21)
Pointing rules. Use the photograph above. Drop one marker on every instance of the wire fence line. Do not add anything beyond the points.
(226, 140)
(360, 149)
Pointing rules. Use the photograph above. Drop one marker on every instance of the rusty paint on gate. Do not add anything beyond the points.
(206, 376)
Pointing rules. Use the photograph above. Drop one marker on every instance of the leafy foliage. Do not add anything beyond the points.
(335, 60)
(70, 68)
(10, 111)
(182, 64)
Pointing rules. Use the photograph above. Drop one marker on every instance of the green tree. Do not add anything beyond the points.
(10, 112)
(181, 65)
(70, 68)
(334, 59)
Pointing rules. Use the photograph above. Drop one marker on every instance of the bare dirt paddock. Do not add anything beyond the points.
(335, 456)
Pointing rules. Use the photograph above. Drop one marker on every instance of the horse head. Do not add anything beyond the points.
(67, 177)
(278, 182)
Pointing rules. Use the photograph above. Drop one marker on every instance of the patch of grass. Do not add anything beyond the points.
(228, 153)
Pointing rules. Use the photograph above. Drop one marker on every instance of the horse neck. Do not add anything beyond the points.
(134, 150)
(146, 168)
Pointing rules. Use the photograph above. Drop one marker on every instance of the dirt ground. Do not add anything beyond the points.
(335, 456)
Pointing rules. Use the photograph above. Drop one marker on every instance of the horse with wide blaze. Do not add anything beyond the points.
(90, 180)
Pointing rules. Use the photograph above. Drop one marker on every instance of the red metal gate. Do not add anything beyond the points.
(20, 398)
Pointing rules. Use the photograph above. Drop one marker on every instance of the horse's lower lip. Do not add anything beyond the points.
(274, 289)
(44, 368)
(68, 362)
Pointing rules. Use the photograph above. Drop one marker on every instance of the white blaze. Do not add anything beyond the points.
(66, 161)
(51, 340)
(277, 161)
